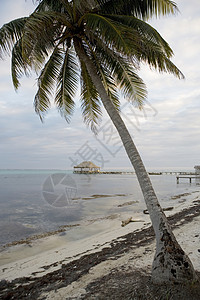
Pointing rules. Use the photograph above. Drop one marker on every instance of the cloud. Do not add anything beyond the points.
(168, 137)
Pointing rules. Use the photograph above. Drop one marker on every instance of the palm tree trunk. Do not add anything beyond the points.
(170, 262)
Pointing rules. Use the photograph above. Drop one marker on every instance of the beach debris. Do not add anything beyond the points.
(3, 283)
(62, 233)
(102, 196)
(155, 173)
(127, 221)
(180, 195)
(127, 203)
(182, 201)
(32, 238)
(168, 208)
(145, 211)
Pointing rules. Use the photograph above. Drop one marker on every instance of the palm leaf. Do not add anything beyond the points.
(112, 91)
(146, 31)
(142, 41)
(116, 68)
(110, 31)
(10, 33)
(57, 6)
(141, 9)
(105, 74)
(147, 9)
(67, 84)
(110, 86)
(46, 82)
(40, 32)
(18, 65)
(84, 6)
(90, 105)
(130, 84)
(125, 35)
(53, 5)
(162, 63)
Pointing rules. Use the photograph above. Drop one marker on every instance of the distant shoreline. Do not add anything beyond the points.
(133, 173)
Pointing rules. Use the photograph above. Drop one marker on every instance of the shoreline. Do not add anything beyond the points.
(184, 200)
(93, 231)
(33, 217)
(61, 267)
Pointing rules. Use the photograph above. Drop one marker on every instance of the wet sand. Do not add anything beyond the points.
(56, 267)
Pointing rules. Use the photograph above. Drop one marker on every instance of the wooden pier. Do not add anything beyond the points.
(187, 177)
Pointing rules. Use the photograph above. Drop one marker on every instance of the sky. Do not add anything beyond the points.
(166, 133)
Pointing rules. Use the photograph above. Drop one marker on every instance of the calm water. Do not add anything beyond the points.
(36, 201)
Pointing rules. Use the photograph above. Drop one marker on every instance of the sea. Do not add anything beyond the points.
(33, 202)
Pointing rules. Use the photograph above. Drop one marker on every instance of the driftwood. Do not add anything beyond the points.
(126, 222)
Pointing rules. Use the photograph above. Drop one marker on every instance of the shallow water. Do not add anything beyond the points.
(36, 201)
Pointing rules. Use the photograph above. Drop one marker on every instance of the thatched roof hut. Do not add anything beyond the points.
(197, 169)
(86, 167)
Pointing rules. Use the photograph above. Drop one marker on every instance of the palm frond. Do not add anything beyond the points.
(41, 31)
(147, 9)
(10, 33)
(127, 35)
(142, 9)
(119, 72)
(131, 84)
(146, 31)
(112, 91)
(103, 71)
(18, 65)
(110, 85)
(110, 31)
(67, 84)
(46, 82)
(84, 6)
(90, 105)
(59, 6)
(161, 63)
(53, 5)
(142, 41)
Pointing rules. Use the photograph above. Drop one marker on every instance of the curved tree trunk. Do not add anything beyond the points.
(170, 262)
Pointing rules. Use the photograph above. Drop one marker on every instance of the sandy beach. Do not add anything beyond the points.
(60, 267)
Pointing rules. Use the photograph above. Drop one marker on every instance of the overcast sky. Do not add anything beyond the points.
(167, 133)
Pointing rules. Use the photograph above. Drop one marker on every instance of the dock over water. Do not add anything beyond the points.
(187, 177)
(179, 174)
(151, 173)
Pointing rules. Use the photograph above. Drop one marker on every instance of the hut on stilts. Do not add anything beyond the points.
(197, 170)
(86, 167)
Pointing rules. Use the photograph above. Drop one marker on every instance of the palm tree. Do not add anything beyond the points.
(102, 43)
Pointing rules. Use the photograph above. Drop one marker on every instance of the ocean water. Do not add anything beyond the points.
(37, 201)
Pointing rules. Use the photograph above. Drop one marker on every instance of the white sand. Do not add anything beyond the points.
(23, 260)
(140, 258)
(32, 260)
